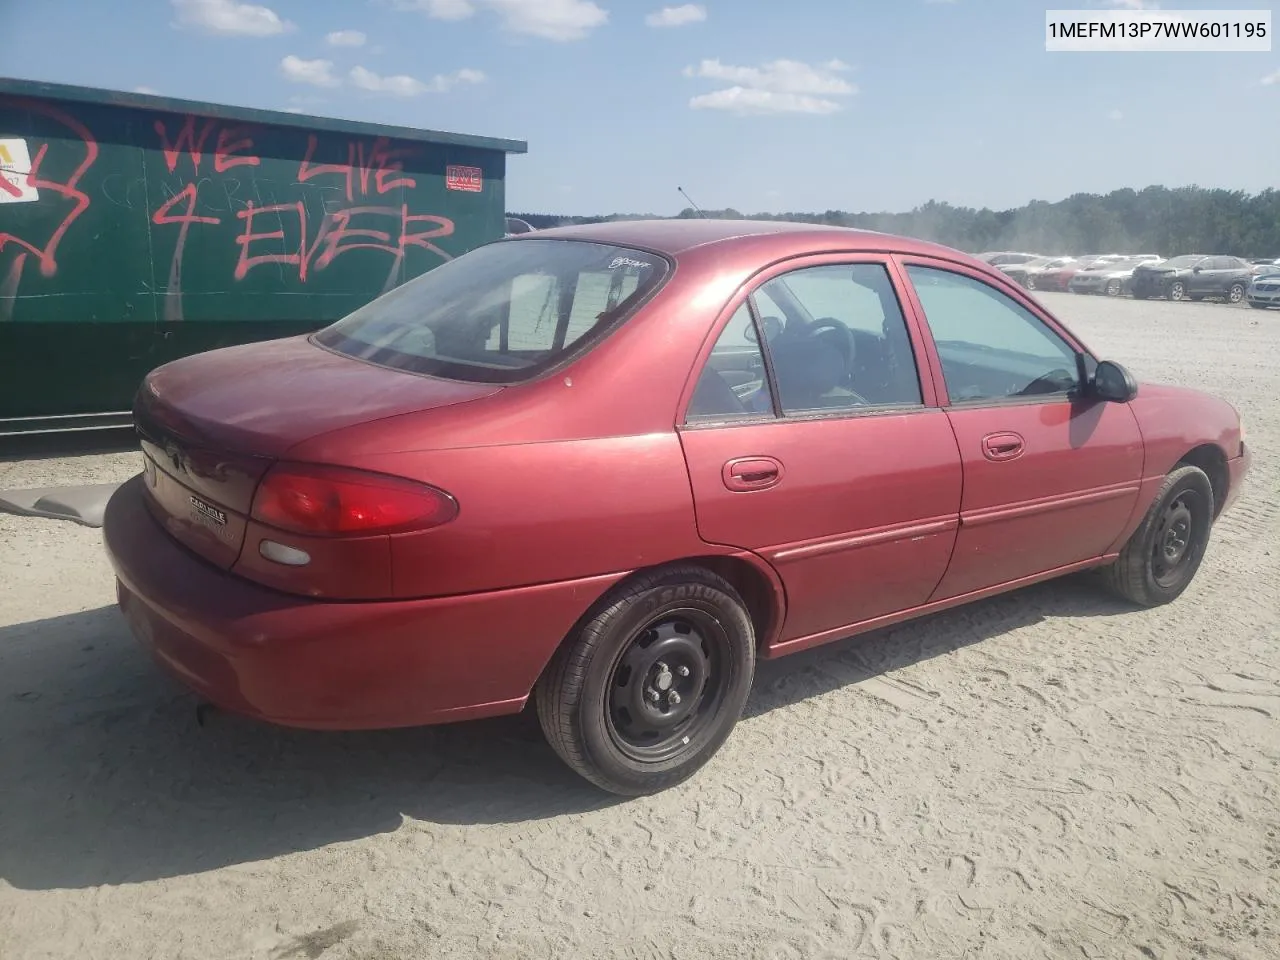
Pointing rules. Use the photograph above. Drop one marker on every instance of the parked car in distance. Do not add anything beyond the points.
(516, 226)
(606, 467)
(999, 258)
(1193, 277)
(1264, 289)
(1026, 274)
(1057, 278)
(1110, 277)
(1260, 267)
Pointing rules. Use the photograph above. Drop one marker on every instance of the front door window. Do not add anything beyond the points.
(991, 347)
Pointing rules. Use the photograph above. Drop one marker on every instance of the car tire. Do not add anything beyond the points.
(1031, 282)
(1176, 290)
(610, 687)
(1162, 557)
(1235, 293)
(1113, 288)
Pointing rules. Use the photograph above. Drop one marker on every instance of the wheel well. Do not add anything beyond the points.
(1210, 458)
(752, 585)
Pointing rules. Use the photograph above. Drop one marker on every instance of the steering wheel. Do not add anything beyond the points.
(848, 345)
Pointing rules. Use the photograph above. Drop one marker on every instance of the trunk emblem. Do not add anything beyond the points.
(207, 513)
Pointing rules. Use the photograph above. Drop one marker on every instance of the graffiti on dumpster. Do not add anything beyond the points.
(213, 180)
(289, 233)
(46, 253)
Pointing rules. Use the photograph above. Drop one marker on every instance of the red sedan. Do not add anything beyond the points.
(610, 466)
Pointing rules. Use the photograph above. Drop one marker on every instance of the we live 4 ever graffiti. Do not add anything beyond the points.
(294, 205)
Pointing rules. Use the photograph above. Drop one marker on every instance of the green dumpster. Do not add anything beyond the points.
(137, 229)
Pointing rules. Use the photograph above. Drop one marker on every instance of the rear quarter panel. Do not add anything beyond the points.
(545, 512)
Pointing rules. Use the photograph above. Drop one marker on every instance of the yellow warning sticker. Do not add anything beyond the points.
(15, 167)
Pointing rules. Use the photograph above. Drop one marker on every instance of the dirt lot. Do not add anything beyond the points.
(1046, 774)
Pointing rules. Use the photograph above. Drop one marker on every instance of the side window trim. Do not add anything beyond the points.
(1014, 293)
(770, 378)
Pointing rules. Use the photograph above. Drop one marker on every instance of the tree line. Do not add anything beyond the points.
(1161, 220)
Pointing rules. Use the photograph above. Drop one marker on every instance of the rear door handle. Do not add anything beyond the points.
(1002, 446)
(751, 473)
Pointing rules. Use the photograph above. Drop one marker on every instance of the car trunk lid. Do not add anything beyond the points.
(211, 425)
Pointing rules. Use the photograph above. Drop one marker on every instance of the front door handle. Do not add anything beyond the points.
(751, 473)
(1002, 446)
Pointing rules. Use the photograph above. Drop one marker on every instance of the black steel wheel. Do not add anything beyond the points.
(1171, 543)
(668, 684)
(652, 683)
(1162, 557)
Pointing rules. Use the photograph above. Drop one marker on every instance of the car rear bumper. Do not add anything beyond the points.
(332, 665)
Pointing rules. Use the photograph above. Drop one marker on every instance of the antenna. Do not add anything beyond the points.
(691, 203)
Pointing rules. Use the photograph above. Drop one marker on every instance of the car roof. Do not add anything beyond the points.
(782, 237)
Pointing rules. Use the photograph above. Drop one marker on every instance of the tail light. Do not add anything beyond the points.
(324, 501)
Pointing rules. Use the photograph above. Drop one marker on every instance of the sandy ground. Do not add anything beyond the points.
(1046, 774)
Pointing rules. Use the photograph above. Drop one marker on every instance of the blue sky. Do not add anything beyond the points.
(760, 105)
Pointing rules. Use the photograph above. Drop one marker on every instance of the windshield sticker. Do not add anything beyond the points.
(627, 262)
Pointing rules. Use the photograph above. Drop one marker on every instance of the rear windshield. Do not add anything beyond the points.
(502, 313)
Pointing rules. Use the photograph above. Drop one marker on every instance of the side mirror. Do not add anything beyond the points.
(1113, 383)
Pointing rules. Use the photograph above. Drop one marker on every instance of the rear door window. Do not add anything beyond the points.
(844, 345)
(733, 384)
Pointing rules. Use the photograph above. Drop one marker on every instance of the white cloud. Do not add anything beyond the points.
(677, 16)
(550, 19)
(401, 85)
(346, 38)
(439, 9)
(318, 73)
(779, 76)
(560, 20)
(230, 18)
(746, 100)
(1271, 79)
(780, 86)
(1115, 115)
(152, 91)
